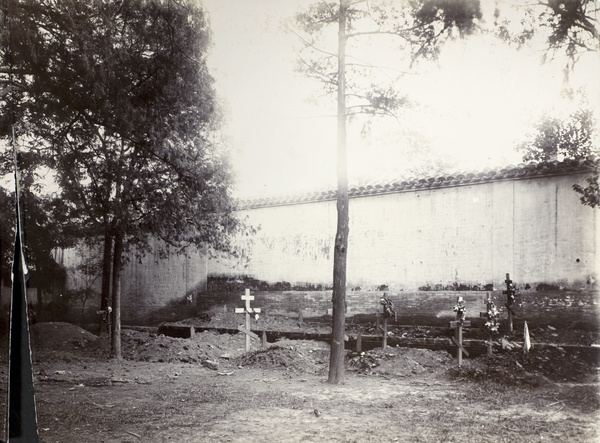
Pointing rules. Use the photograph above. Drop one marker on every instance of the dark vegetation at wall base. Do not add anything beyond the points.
(562, 310)
(541, 305)
(223, 283)
(458, 287)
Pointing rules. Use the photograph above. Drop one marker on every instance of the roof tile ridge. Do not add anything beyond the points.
(452, 178)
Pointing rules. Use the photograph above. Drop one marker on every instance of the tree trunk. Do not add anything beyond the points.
(336, 361)
(116, 298)
(106, 273)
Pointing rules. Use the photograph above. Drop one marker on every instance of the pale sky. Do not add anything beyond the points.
(473, 108)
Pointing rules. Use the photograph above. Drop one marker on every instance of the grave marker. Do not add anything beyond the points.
(458, 324)
(491, 324)
(247, 310)
(511, 293)
(388, 311)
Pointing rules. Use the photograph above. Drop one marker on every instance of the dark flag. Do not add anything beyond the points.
(22, 416)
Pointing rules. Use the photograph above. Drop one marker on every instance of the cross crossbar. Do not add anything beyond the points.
(457, 323)
(460, 345)
(247, 332)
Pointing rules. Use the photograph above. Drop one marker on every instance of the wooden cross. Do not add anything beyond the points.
(488, 304)
(458, 324)
(510, 298)
(247, 310)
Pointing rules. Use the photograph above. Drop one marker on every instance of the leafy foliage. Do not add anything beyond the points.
(42, 235)
(436, 17)
(129, 138)
(590, 194)
(572, 24)
(571, 139)
(557, 139)
(418, 28)
(115, 97)
(567, 25)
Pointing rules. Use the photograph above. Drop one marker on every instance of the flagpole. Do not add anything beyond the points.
(21, 420)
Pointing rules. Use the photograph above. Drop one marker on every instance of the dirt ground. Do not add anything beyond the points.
(208, 389)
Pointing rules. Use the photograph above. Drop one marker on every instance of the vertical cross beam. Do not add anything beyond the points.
(459, 334)
(458, 325)
(488, 303)
(247, 297)
(509, 301)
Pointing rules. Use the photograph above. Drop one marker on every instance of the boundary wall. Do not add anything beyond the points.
(463, 231)
(561, 309)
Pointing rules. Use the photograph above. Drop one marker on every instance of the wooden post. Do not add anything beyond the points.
(247, 319)
(488, 304)
(264, 339)
(458, 325)
(509, 301)
(359, 342)
(459, 338)
(385, 321)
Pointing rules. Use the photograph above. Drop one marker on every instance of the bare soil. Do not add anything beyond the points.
(208, 389)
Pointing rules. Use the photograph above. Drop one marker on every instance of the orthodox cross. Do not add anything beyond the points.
(248, 311)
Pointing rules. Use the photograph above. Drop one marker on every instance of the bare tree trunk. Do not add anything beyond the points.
(116, 298)
(336, 361)
(106, 273)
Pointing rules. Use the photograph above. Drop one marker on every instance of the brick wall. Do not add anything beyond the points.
(562, 309)
(152, 286)
(153, 282)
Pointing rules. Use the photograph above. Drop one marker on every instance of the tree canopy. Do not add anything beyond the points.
(116, 99)
(569, 27)
(556, 139)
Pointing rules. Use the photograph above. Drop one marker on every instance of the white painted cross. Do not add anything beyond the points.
(248, 310)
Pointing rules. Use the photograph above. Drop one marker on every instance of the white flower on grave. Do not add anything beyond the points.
(255, 316)
(492, 323)
(460, 309)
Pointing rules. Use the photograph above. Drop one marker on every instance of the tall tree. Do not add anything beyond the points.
(117, 98)
(421, 26)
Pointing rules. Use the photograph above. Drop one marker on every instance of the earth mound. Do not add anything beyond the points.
(275, 357)
(58, 336)
(398, 362)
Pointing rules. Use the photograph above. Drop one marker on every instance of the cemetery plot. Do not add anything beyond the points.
(203, 388)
